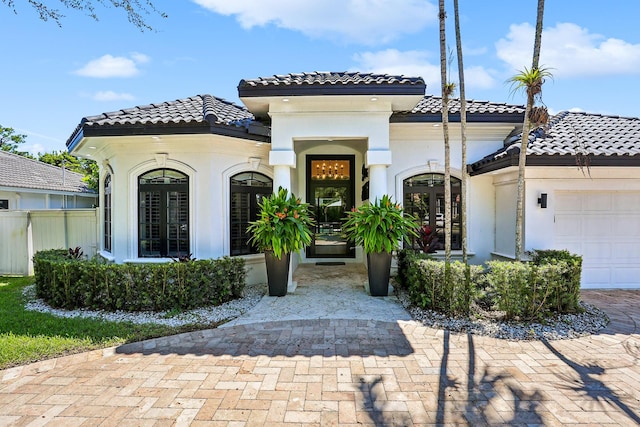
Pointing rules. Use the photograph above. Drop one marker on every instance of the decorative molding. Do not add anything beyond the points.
(161, 159)
(255, 162)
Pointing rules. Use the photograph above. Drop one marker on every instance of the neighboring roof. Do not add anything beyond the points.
(572, 138)
(197, 114)
(430, 110)
(20, 172)
(331, 83)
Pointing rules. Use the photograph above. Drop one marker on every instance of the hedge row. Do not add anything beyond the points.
(525, 290)
(72, 283)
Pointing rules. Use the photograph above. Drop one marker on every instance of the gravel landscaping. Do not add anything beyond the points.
(201, 316)
(565, 326)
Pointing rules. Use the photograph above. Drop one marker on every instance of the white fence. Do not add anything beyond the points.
(23, 233)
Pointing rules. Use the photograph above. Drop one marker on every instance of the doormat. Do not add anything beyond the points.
(331, 263)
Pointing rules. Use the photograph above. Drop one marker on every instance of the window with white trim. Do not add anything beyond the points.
(163, 214)
(247, 191)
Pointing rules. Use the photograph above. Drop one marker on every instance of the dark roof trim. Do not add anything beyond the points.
(325, 89)
(485, 166)
(254, 133)
(455, 117)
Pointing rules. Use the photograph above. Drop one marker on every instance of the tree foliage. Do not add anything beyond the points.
(10, 141)
(137, 10)
(86, 167)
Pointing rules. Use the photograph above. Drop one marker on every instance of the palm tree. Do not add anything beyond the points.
(532, 80)
(463, 133)
(447, 89)
(463, 136)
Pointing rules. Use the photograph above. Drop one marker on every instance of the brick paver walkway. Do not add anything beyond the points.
(340, 372)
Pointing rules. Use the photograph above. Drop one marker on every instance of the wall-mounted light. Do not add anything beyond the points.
(542, 200)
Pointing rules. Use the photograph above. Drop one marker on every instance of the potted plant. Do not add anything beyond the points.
(379, 228)
(283, 226)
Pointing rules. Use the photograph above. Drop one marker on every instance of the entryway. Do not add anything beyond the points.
(330, 189)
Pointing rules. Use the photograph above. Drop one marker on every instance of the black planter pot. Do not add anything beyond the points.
(277, 273)
(379, 270)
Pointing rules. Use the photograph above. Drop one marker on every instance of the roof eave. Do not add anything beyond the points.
(482, 167)
(319, 90)
(455, 117)
(192, 128)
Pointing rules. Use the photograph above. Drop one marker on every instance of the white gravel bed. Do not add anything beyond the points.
(201, 316)
(565, 326)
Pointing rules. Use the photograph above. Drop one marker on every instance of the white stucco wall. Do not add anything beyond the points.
(419, 148)
(208, 160)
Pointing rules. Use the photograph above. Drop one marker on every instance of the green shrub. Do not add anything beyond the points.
(429, 289)
(405, 263)
(71, 283)
(525, 290)
(566, 296)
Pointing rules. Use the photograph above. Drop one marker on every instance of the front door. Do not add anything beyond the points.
(330, 189)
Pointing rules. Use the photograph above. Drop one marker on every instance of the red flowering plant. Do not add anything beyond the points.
(284, 224)
(379, 226)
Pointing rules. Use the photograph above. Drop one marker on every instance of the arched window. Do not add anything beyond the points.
(423, 198)
(107, 213)
(247, 191)
(163, 214)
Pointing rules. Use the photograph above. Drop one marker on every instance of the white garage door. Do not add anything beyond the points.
(603, 227)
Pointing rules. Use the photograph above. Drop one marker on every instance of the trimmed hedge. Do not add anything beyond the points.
(70, 283)
(532, 290)
(429, 289)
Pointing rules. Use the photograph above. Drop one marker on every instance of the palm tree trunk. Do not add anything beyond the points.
(464, 175)
(463, 135)
(445, 130)
(525, 138)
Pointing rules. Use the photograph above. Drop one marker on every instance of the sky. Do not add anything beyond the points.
(51, 77)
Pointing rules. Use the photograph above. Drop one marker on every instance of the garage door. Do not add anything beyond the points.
(604, 227)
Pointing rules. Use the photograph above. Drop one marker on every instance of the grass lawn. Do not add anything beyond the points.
(27, 336)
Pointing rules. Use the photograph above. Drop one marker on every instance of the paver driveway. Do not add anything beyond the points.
(340, 372)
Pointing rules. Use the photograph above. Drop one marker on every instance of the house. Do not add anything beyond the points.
(27, 184)
(186, 176)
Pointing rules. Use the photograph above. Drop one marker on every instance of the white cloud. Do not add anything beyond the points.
(570, 51)
(113, 66)
(109, 95)
(416, 63)
(34, 149)
(360, 21)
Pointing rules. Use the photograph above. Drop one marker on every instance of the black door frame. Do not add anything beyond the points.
(311, 185)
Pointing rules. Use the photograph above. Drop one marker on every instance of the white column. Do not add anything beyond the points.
(281, 177)
(282, 162)
(377, 182)
(377, 162)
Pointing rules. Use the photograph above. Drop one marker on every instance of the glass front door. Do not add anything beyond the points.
(330, 193)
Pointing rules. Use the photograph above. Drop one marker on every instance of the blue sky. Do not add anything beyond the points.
(52, 77)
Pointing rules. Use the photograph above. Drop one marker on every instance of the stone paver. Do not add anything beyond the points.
(323, 293)
(340, 372)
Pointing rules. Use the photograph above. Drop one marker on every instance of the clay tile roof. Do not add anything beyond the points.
(21, 172)
(338, 83)
(569, 135)
(195, 109)
(433, 105)
(200, 113)
(430, 108)
(588, 134)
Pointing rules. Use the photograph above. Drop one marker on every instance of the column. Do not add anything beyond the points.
(282, 162)
(377, 162)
